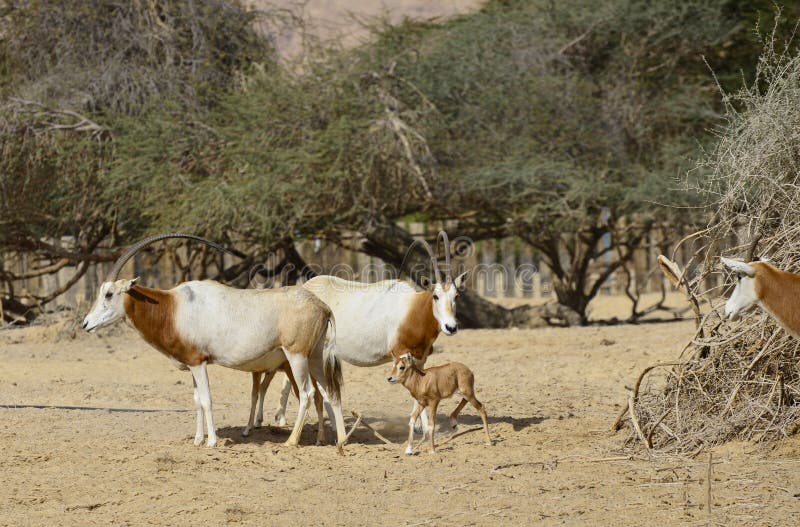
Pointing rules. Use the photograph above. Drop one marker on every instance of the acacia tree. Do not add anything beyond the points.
(572, 125)
(561, 123)
(566, 124)
(72, 73)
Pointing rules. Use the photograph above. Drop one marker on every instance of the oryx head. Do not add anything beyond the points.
(744, 294)
(402, 365)
(109, 305)
(445, 291)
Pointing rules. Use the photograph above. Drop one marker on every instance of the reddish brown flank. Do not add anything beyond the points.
(152, 312)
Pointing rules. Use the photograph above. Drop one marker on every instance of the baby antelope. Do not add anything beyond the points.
(428, 387)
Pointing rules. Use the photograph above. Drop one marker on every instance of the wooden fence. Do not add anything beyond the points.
(500, 268)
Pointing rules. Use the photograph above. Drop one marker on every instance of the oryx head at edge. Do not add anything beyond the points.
(444, 292)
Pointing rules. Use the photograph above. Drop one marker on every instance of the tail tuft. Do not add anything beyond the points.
(332, 367)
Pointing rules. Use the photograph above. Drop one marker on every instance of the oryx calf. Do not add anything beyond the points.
(428, 387)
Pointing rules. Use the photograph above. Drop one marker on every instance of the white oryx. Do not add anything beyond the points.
(776, 291)
(381, 321)
(205, 322)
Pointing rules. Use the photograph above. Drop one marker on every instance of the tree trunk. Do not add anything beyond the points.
(14, 311)
(474, 311)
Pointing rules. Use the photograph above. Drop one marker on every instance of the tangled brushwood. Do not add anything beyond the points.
(735, 380)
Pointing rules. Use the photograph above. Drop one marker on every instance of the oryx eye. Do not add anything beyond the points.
(436, 298)
(109, 294)
(402, 368)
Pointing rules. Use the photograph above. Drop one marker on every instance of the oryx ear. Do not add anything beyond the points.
(129, 284)
(737, 266)
(460, 280)
(426, 283)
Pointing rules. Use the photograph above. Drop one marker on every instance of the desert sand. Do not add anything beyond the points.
(552, 395)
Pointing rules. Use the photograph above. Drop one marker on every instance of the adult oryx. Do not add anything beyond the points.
(205, 322)
(379, 322)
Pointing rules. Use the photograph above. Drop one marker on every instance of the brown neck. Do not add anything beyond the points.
(419, 328)
(413, 378)
(778, 292)
(152, 312)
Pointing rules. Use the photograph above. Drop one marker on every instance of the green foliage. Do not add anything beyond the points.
(535, 118)
(36, 199)
(86, 89)
(108, 56)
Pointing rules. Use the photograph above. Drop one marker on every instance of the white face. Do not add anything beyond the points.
(444, 304)
(743, 297)
(109, 306)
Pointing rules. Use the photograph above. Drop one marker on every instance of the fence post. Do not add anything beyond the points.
(508, 258)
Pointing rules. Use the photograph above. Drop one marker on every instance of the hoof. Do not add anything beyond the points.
(245, 432)
(211, 443)
(198, 440)
(339, 449)
(258, 424)
(409, 451)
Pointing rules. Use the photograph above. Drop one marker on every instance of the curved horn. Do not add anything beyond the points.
(443, 234)
(434, 263)
(136, 247)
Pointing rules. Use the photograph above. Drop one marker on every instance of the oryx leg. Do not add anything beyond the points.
(432, 422)
(413, 419)
(320, 417)
(262, 391)
(482, 411)
(299, 365)
(203, 391)
(422, 425)
(280, 414)
(253, 402)
(198, 434)
(335, 406)
(424, 421)
(454, 415)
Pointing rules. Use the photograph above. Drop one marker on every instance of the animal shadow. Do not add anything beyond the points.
(267, 434)
(469, 419)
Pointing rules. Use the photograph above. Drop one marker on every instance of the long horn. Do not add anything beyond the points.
(443, 235)
(136, 247)
(434, 263)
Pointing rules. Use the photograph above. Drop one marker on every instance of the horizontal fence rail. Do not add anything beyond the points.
(500, 268)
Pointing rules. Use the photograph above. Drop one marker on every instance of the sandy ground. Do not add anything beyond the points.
(552, 395)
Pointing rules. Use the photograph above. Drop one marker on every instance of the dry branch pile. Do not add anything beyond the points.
(736, 380)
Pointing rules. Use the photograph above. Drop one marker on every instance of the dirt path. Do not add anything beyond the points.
(551, 394)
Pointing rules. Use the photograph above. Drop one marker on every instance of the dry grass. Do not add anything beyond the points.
(737, 380)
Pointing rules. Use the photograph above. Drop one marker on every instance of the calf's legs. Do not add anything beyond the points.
(411, 421)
